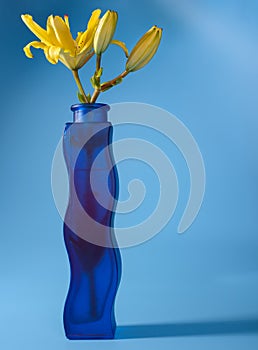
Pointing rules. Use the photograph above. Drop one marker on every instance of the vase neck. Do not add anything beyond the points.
(90, 112)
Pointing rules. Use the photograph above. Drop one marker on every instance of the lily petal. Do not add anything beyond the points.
(83, 58)
(63, 34)
(85, 39)
(67, 60)
(122, 45)
(36, 29)
(94, 19)
(51, 32)
(75, 62)
(52, 53)
(36, 45)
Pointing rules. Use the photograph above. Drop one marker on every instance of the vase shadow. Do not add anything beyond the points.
(208, 327)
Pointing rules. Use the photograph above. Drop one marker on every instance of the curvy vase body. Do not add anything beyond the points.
(93, 189)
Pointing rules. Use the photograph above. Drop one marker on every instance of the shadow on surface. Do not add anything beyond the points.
(187, 329)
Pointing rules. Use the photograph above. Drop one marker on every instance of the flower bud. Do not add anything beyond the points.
(105, 32)
(144, 50)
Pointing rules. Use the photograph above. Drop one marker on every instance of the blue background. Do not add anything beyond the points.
(199, 290)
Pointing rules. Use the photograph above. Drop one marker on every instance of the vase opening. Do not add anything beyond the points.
(90, 112)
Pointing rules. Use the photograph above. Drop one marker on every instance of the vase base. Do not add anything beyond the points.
(89, 336)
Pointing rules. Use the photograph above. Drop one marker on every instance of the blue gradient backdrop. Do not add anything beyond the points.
(204, 284)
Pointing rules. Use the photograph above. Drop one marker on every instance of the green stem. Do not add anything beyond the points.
(95, 96)
(98, 62)
(112, 82)
(107, 85)
(96, 91)
(79, 84)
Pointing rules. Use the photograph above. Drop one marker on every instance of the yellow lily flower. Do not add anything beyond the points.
(58, 43)
(144, 50)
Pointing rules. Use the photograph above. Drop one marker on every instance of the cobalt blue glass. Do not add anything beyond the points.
(94, 258)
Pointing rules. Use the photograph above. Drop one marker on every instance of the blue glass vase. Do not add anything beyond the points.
(94, 258)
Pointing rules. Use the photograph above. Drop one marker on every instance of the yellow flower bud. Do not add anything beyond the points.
(144, 50)
(105, 32)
